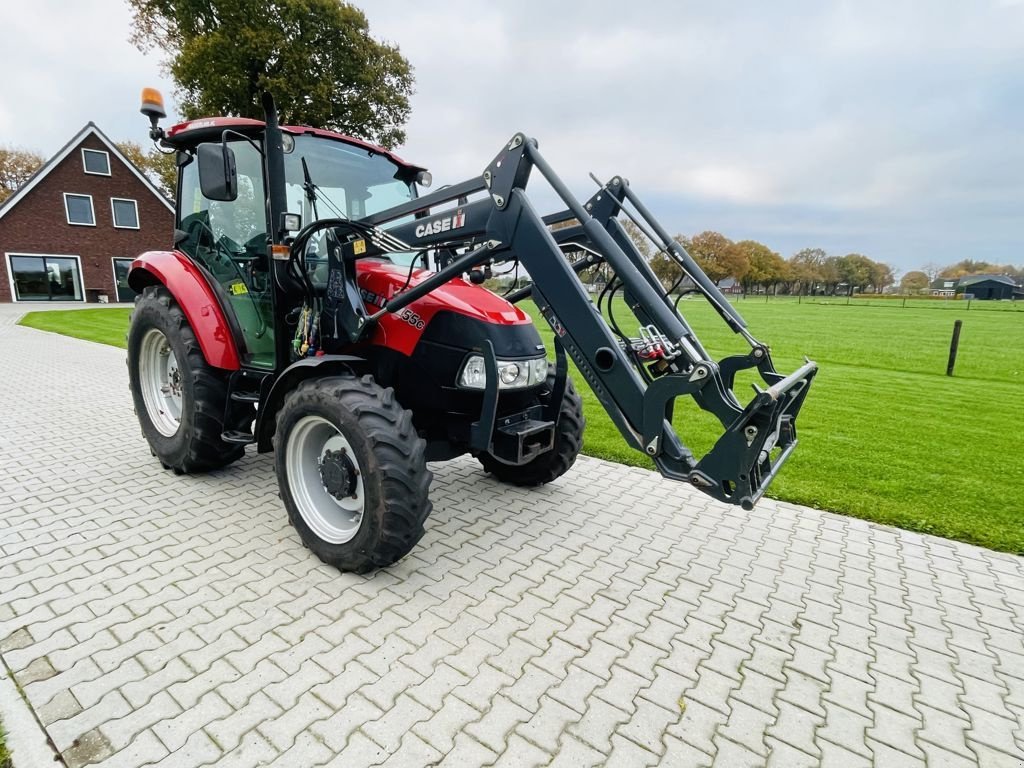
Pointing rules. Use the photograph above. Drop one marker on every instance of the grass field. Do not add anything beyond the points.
(885, 434)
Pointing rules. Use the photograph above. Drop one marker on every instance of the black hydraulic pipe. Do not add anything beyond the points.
(462, 264)
(709, 289)
(527, 290)
(663, 316)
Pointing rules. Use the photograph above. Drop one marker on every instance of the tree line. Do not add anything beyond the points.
(755, 266)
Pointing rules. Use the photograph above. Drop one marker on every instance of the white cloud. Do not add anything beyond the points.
(894, 129)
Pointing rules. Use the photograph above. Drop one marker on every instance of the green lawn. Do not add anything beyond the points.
(885, 434)
(107, 326)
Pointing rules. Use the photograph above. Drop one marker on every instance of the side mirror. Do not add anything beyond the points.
(218, 177)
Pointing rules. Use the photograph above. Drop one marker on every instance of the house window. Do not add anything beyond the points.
(121, 269)
(96, 162)
(45, 278)
(79, 209)
(125, 212)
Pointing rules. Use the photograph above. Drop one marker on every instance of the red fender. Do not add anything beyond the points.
(196, 298)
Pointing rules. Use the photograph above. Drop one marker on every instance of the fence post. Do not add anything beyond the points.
(904, 302)
(954, 345)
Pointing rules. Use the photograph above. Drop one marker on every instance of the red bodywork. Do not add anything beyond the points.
(378, 281)
(196, 298)
(194, 131)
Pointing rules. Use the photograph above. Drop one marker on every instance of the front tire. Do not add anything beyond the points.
(179, 398)
(552, 464)
(352, 472)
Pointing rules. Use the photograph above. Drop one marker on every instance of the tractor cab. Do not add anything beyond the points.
(226, 227)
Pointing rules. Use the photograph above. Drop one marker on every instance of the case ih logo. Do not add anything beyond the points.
(437, 226)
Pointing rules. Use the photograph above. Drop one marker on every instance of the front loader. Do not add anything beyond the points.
(317, 305)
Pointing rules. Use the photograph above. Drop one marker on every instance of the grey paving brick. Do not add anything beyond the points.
(440, 730)
(610, 618)
(336, 730)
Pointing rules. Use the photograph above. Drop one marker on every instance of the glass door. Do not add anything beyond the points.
(46, 278)
(124, 291)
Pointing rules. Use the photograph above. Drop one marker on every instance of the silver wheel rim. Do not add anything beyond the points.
(161, 382)
(333, 520)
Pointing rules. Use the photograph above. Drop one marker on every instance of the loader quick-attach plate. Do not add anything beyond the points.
(747, 457)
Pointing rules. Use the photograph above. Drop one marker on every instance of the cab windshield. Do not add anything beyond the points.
(350, 181)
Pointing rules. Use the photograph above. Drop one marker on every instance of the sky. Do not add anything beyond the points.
(892, 129)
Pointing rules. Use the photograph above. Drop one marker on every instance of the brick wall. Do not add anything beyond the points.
(37, 224)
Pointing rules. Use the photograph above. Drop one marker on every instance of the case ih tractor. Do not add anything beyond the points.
(316, 305)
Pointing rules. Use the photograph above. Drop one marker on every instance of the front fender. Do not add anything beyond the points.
(306, 368)
(197, 299)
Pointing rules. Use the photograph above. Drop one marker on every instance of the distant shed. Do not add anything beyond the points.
(990, 287)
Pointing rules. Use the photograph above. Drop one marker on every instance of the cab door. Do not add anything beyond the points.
(230, 240)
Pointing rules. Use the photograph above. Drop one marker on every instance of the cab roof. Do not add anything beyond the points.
(193, 132)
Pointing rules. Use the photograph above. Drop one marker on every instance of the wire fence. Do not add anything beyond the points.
(891, 302)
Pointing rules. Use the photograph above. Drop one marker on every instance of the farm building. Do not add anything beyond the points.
(943, 286)
(70, 232)
(990, 287)
(978, 287)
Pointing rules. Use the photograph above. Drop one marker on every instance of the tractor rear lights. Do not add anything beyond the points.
(512, 374)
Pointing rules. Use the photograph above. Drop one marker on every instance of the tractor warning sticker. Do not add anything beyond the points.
(238, 288)
(359, 247)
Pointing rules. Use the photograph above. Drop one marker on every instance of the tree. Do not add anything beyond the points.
(805, 268)
(764, 266)
(16, 165)
(881, 276)
(855, 271)
(829, 274)
(968, 267)
(158, 166)
(914, 282)
(315, 56)
(718, 256)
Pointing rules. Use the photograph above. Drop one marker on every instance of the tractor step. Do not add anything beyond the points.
(237, 437)
(245, 397)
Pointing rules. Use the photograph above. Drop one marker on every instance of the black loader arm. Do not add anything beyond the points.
(637, 380)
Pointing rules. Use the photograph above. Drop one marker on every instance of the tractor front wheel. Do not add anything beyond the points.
(556, 462)
(352, 472)
(179, 398)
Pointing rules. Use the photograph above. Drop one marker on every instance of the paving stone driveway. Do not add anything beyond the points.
(612, 618)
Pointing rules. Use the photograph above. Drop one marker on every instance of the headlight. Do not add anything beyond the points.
(512, 374)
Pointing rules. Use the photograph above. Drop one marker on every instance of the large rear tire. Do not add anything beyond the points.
(179, 398)
(352, 472)
(556, 462)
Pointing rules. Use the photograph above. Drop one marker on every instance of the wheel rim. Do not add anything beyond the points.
(325, 479)
(161, 382)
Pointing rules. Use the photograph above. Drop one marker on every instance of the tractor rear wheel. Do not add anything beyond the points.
(352, 472)
(556, 462)
(179, 398)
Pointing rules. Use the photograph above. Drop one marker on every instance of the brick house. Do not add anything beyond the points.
(70, 232)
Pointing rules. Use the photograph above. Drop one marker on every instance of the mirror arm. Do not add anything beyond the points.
(224, 139)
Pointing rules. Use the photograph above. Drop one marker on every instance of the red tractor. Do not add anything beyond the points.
(315, 304)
